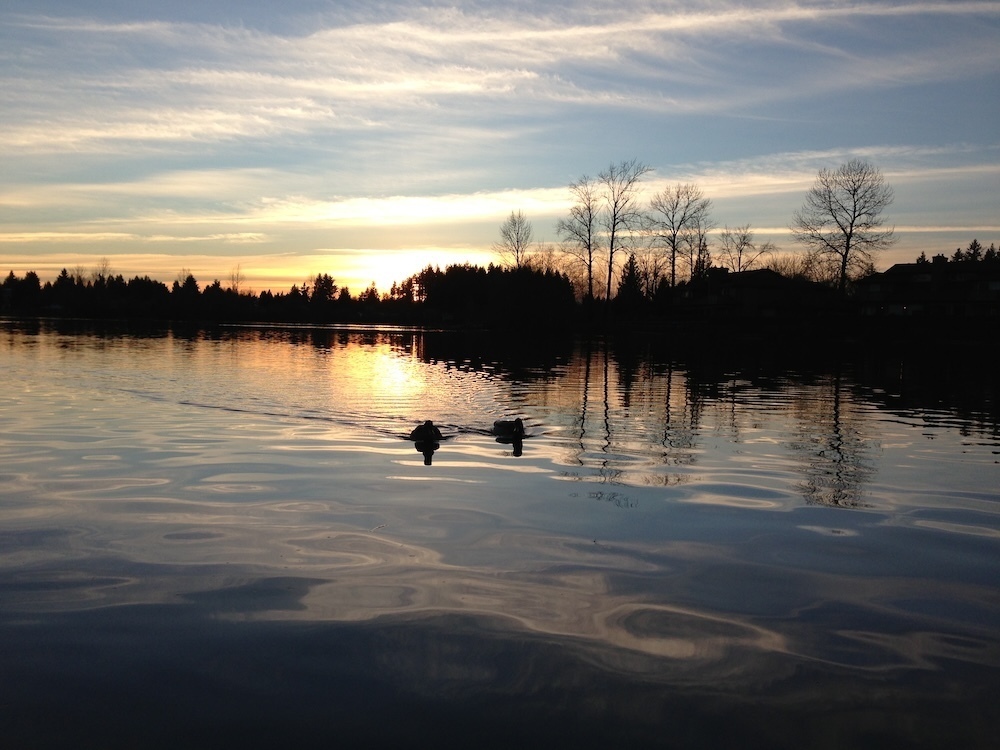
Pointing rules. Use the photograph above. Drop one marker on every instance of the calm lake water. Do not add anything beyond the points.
(225, 539)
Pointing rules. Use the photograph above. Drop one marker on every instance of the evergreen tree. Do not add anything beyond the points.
(630, 285)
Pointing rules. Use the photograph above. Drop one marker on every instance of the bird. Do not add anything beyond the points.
(426, 431)
(509, 428)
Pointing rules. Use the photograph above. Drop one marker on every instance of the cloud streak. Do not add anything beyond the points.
(243, 125)
(22, 238)
(240, 83)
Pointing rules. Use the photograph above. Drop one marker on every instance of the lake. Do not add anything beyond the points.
(225, 538)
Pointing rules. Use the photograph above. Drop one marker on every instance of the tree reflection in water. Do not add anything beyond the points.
(837, 457)
(645, 416)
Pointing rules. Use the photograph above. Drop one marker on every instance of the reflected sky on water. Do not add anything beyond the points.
(800, 551)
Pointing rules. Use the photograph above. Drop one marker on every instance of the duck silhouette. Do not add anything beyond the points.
(427, 431)
(512, 429)
(426, 437)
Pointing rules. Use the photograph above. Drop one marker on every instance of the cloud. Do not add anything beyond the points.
(148, 84)
(410, 210)
(262, 129)
(268, 199)
(25, 238)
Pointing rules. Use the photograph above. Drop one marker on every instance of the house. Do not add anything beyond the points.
(757, 294)
(940, 289)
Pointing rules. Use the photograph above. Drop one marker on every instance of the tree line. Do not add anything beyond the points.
(974, 253)
(457, 294)
(617, 253)
(663, 243)
(462, 293)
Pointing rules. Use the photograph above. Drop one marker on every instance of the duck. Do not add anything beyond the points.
(427, 431)
(512, 429)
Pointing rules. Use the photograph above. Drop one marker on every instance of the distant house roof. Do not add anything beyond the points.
(965, 289)
(757, 293)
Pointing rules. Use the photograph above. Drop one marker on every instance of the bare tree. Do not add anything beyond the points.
(515, 239)
(679, 221)
(544, 258)
(841, 220)
(739, 252)
(620, 215)
(102, 271)
(581, 230)
(792, 265)
(652, 268)
(236, 278)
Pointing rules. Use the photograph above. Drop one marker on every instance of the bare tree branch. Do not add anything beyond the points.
(515, 239)
(739, 252)
(841, 220)
(621, 214)
(679, 221)
(580, 231)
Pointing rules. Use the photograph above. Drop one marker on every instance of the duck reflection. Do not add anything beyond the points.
(427, 439)
(510, 431)
(427, 447)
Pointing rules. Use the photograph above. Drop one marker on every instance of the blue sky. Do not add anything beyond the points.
(367, 139)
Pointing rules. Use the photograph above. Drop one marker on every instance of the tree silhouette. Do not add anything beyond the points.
(974, 251)
(581, 229)
(739, 252)
(324, 290)
(515, 240)
(621, 214)
(679, 220)
(841, 220)
(237, 281)
(630, 294)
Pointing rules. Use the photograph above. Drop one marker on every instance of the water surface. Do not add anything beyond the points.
(226, 538)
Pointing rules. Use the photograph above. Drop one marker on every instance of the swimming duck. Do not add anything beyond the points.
(426, 431)
(509, 428)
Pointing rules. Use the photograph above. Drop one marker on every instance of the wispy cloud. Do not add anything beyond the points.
(48, 238)
(156, 82)
(251, 128)
(796, 171)
(236, 198)
(410, 210)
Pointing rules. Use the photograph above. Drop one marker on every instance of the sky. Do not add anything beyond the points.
(273, 141)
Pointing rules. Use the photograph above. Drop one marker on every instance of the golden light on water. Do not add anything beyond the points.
(380, 379)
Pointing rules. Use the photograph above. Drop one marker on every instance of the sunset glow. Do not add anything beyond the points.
(368, 143)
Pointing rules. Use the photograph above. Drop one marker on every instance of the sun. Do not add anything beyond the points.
(383, 268)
